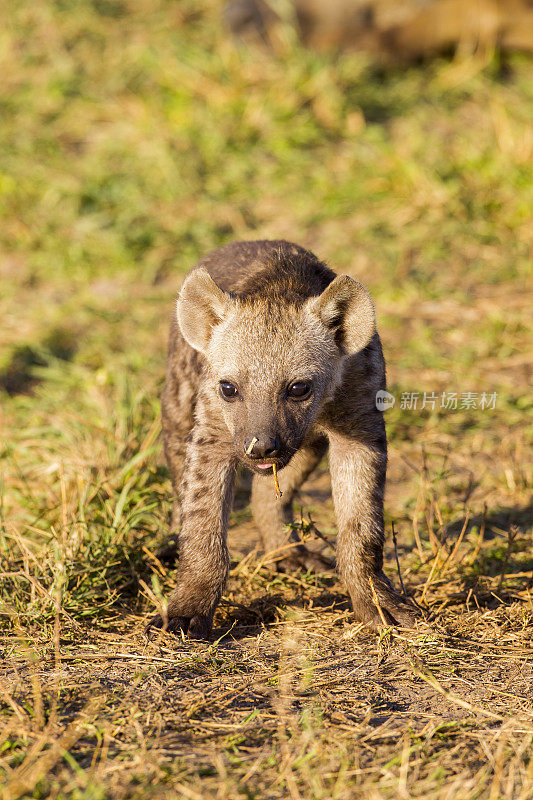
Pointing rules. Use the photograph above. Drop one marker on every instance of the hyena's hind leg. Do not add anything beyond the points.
(177, 410)
(271, 514)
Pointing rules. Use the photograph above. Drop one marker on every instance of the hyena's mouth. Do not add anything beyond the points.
(265, 467)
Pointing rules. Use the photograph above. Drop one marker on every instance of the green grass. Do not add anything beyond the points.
(134, 138)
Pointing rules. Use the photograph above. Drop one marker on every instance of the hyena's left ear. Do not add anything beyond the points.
(201, 306)
(347, 309)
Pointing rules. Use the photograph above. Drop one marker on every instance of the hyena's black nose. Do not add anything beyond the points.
(262, 447)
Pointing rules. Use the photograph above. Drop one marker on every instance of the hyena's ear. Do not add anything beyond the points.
(201, 306)
(347, 309)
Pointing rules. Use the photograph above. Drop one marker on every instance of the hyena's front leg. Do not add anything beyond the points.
(358, 483)
(202, 572)
(177, 411)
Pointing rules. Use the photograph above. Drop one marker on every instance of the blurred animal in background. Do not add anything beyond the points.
(397, 29)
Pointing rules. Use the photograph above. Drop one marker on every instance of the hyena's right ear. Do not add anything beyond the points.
(201, 305)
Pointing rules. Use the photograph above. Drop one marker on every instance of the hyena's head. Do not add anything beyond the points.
(273, 364)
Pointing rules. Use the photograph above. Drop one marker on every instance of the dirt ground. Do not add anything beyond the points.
(292, 699)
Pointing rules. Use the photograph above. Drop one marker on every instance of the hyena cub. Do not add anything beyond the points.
(272, 358)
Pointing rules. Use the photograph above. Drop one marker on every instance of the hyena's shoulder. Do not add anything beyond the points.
(184, 364)
(363, 375)
(181, 357)
(352, 407)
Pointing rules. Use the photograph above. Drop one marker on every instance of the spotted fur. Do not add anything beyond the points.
(262, 315)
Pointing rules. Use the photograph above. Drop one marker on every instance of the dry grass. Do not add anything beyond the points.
(134, 138)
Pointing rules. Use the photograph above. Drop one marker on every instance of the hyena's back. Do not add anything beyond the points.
(268, 268)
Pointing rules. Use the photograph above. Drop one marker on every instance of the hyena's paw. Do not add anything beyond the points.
(302, 558)
(198, 627)
(396, 609)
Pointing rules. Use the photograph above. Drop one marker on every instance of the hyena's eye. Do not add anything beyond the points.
(299, 390)
(228, 390)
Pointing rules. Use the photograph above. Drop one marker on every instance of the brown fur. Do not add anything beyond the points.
(404, 29)
(263, 315)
